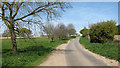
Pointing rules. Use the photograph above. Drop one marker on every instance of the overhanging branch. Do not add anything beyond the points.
(40, 10)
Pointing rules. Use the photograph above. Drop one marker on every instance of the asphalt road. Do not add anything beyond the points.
(77, 56)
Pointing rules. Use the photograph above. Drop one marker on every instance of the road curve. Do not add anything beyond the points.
(76, 56)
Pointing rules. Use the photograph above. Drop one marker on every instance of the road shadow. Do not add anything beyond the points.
(61, 51)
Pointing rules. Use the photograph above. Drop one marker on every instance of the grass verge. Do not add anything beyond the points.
(31, 52)
(108, 50)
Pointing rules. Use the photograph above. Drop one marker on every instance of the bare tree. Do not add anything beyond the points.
(49, 29)
(71, 29)
(21, 11)
(61, 31)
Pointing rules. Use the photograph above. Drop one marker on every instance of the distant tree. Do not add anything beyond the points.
(49, 30)
(103, 31)
(71, 29)
(61, 31)
(84, 32)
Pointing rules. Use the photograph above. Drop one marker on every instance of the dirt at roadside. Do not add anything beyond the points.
(57, 57)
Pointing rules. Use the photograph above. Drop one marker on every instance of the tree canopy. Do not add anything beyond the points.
(84, 32)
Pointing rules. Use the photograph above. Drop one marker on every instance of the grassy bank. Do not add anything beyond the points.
(109, 50)
(30, 51)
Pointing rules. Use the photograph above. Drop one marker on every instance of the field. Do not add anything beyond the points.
(109, 50)
(31, 52)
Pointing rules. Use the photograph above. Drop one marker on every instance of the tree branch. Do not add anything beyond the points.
(26, 20)
(10, 8)
(17, 9)
(35, 11)
(5, 20)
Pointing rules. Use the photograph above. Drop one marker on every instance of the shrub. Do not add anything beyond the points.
(102, 31)
(84, 32)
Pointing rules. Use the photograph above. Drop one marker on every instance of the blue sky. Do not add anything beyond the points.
(92, 12)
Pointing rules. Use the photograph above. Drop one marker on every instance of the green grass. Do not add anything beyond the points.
(109, 50)
(31, 52)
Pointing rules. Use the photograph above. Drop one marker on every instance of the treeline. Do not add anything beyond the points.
(101, 32)
(60, 31)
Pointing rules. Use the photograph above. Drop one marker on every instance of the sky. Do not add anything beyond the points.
(83, 12)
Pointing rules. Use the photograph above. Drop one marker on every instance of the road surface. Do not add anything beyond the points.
(76, 56)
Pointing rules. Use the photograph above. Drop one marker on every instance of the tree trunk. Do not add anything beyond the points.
(13, 39)
(7, 36)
